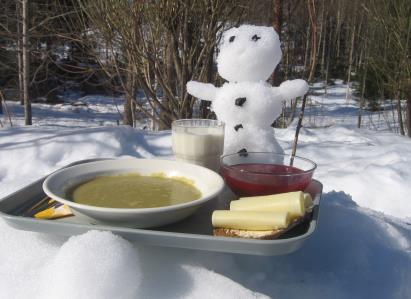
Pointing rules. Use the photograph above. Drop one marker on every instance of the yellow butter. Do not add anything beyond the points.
(53, 213)
(250, 220)
(291, 202)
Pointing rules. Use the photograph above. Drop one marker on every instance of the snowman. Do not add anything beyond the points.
(247, 103)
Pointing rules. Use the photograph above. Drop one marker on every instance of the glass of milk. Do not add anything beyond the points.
(198, 141)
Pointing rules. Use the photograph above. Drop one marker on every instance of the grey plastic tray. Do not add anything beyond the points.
(194, 232)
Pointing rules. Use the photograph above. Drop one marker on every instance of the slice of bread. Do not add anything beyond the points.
(248, 234)
(257, 234)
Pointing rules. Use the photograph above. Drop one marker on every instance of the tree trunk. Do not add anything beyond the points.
(128, 118)
(327, 64)
(26, 64)
(205, 105)
(338, 31)
(19, 52)
(409, 114)
(313, 18)
(277, 24)
(313, 21)
(6, 110)
(307, 48)
(286, 60)
(321, 29)
(170, 78)
(350, 62)
(278, 16)
(323, 48)
(128, 115)
(362, 101)
(399, 112)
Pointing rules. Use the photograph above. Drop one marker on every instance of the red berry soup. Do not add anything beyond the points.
(263, 179)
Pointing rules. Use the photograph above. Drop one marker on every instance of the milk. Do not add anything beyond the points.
(199, 145)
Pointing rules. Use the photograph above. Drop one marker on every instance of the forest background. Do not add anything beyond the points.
(146, 51)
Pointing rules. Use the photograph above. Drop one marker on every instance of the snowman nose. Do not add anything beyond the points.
(240, 101)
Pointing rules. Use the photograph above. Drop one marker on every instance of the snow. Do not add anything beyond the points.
(111, 261)
(361, 249)
(248, 53)
(80, 112)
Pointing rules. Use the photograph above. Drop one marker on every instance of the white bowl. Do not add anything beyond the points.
(208, 182)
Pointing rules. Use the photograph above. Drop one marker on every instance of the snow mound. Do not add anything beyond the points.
(93, 265)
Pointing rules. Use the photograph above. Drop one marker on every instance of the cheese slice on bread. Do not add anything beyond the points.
(262, 217)
(248, 234)
(291, 202)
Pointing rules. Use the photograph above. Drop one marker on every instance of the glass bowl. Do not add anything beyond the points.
(264, 173)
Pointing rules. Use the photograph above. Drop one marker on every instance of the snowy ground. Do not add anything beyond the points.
(362, 248)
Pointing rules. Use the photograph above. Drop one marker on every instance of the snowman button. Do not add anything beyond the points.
(240, 101)
(232, 38)
(242, 152)
(237, 127)
(255, 37)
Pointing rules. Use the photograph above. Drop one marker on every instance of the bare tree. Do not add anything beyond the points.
(277, 25)
(313, 21)
(19, 52)
(314, 37)
(6, 110)
(158, 46)
(354, 28)
(389, 57)
(25, 62)
(364, 69)
(408, 93)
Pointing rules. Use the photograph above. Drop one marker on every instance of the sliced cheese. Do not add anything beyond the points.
(308, 202)
(292, 202)
(250, 220)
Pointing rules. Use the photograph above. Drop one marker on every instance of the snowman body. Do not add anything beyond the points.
(249, 116)
(247, 104)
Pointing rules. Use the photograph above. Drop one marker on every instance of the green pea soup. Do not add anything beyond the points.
(133, 191)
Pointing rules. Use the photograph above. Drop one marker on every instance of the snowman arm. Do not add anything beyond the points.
(292, 89)
(204, 91)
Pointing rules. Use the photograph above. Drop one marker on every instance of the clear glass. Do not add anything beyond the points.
(198, 141)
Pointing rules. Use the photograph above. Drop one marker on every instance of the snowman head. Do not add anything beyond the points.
(248, 53)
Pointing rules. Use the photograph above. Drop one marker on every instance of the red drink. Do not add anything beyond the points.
(263, 179)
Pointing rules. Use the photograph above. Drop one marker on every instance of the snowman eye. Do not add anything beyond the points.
(231, 39)
(255, 38)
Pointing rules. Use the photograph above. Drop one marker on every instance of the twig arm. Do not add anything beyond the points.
(297, 131)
